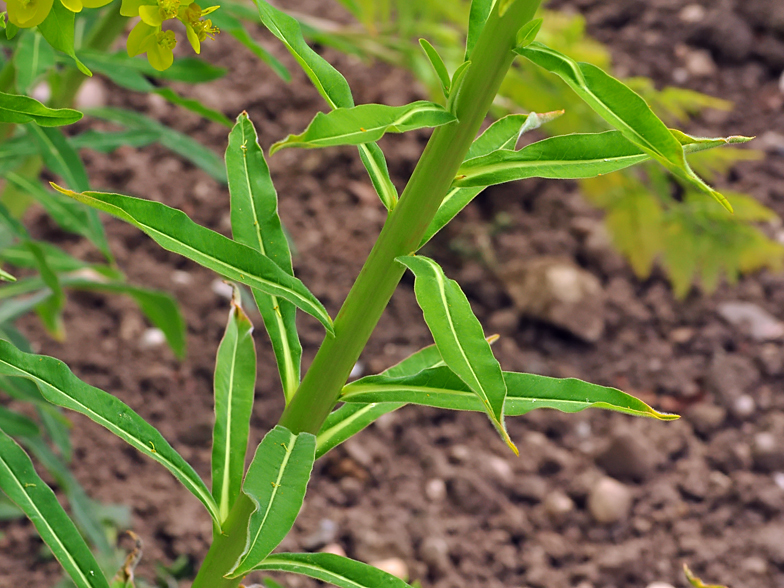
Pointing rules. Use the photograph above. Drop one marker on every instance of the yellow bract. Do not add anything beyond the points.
(28, 13)
(153, 41)
(77, 5)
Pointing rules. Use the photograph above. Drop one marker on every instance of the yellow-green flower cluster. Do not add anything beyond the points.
(148, 35)
(30, 13)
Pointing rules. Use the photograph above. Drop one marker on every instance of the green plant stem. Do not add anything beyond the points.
(100, 38)
(380, 275)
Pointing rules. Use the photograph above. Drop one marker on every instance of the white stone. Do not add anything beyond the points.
(744, 406)
(435, 490)
(181, 278)
(760, 324)
(334, 549)
(609, 501)
(222, 289)
(92, 94)
(692, 13)
(393, 565)
(558, 505)
(660, 585)
(152, 338)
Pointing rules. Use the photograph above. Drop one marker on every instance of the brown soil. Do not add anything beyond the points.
(438, 489)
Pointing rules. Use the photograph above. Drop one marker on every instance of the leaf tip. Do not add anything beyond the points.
(62, 190)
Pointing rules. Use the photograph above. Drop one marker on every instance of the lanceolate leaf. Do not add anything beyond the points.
(49, 310)
(276, 483)
(333, 569)
(502, 134)
(623, 108)
(58, 29)
(439, 67)
(480, 10)
(33, 56)
(440, 387)
(61, 158)
(366, 123)
(23, 109)
(333, 88)
(193, 105)
(563, 157)
(347, 421)
(106, 142)
(174, 231)
(69, 215)
(21, 484)
(59, 386)
(181, 144)
(255, 223)
(235, 380)
(6, 277)
(459, 336)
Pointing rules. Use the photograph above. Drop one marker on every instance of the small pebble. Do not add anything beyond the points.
(152, 338)
(744, 406)
(434, 551)
(181, 278)
(500, 469)
(767, 452)
(558, 505)
(435, 490)
(755, 565)
(357, 371)
(660, 585)
(692, 13)
(778, 479)
(222, 289)
(394, 565)
(609, 501)
(459, 453)
(92, 94)
(334, 549)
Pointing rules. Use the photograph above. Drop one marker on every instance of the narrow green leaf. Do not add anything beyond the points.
(441, 388)
(33, 56)
(347, 421)
(55, 424)
(276, 483)
(480, 11)
(332, 86)
(17, 425)
(439, 67)
(60, 157)
(456, 85)
(623, 108)
(459, 337)
(527, 33)
(376, 165)
(23, 109)
(49, 310)
(334, 569)
(328, 81)
(502, 134)
(82, 508)
(234, 26)
(60, 387)
(5, 276)
(174, 231)
(69, 215)
(106, 142)
(255, 223)
(58, 29)
(194, 106)
(180, 143)
(365, 123)
(235, 381)
(11, 310)
(22, 485)
(12, 224)
(119, 68)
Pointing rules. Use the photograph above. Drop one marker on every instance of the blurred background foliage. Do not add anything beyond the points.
(651, 217)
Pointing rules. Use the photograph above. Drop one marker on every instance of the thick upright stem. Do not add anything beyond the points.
(380, 275)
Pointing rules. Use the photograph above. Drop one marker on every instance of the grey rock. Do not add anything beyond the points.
(609, 501)
(628, 458)
(558, 505)
(434, 551)
(752, 320)
(706, 417)
(767, 451)
(557, 291)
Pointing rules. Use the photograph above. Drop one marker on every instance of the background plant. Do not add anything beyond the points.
(253, 510)
(651, 216)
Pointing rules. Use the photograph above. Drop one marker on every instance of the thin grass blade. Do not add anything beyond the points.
(17, 109)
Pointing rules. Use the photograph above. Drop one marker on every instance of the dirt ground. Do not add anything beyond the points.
(439, 490)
